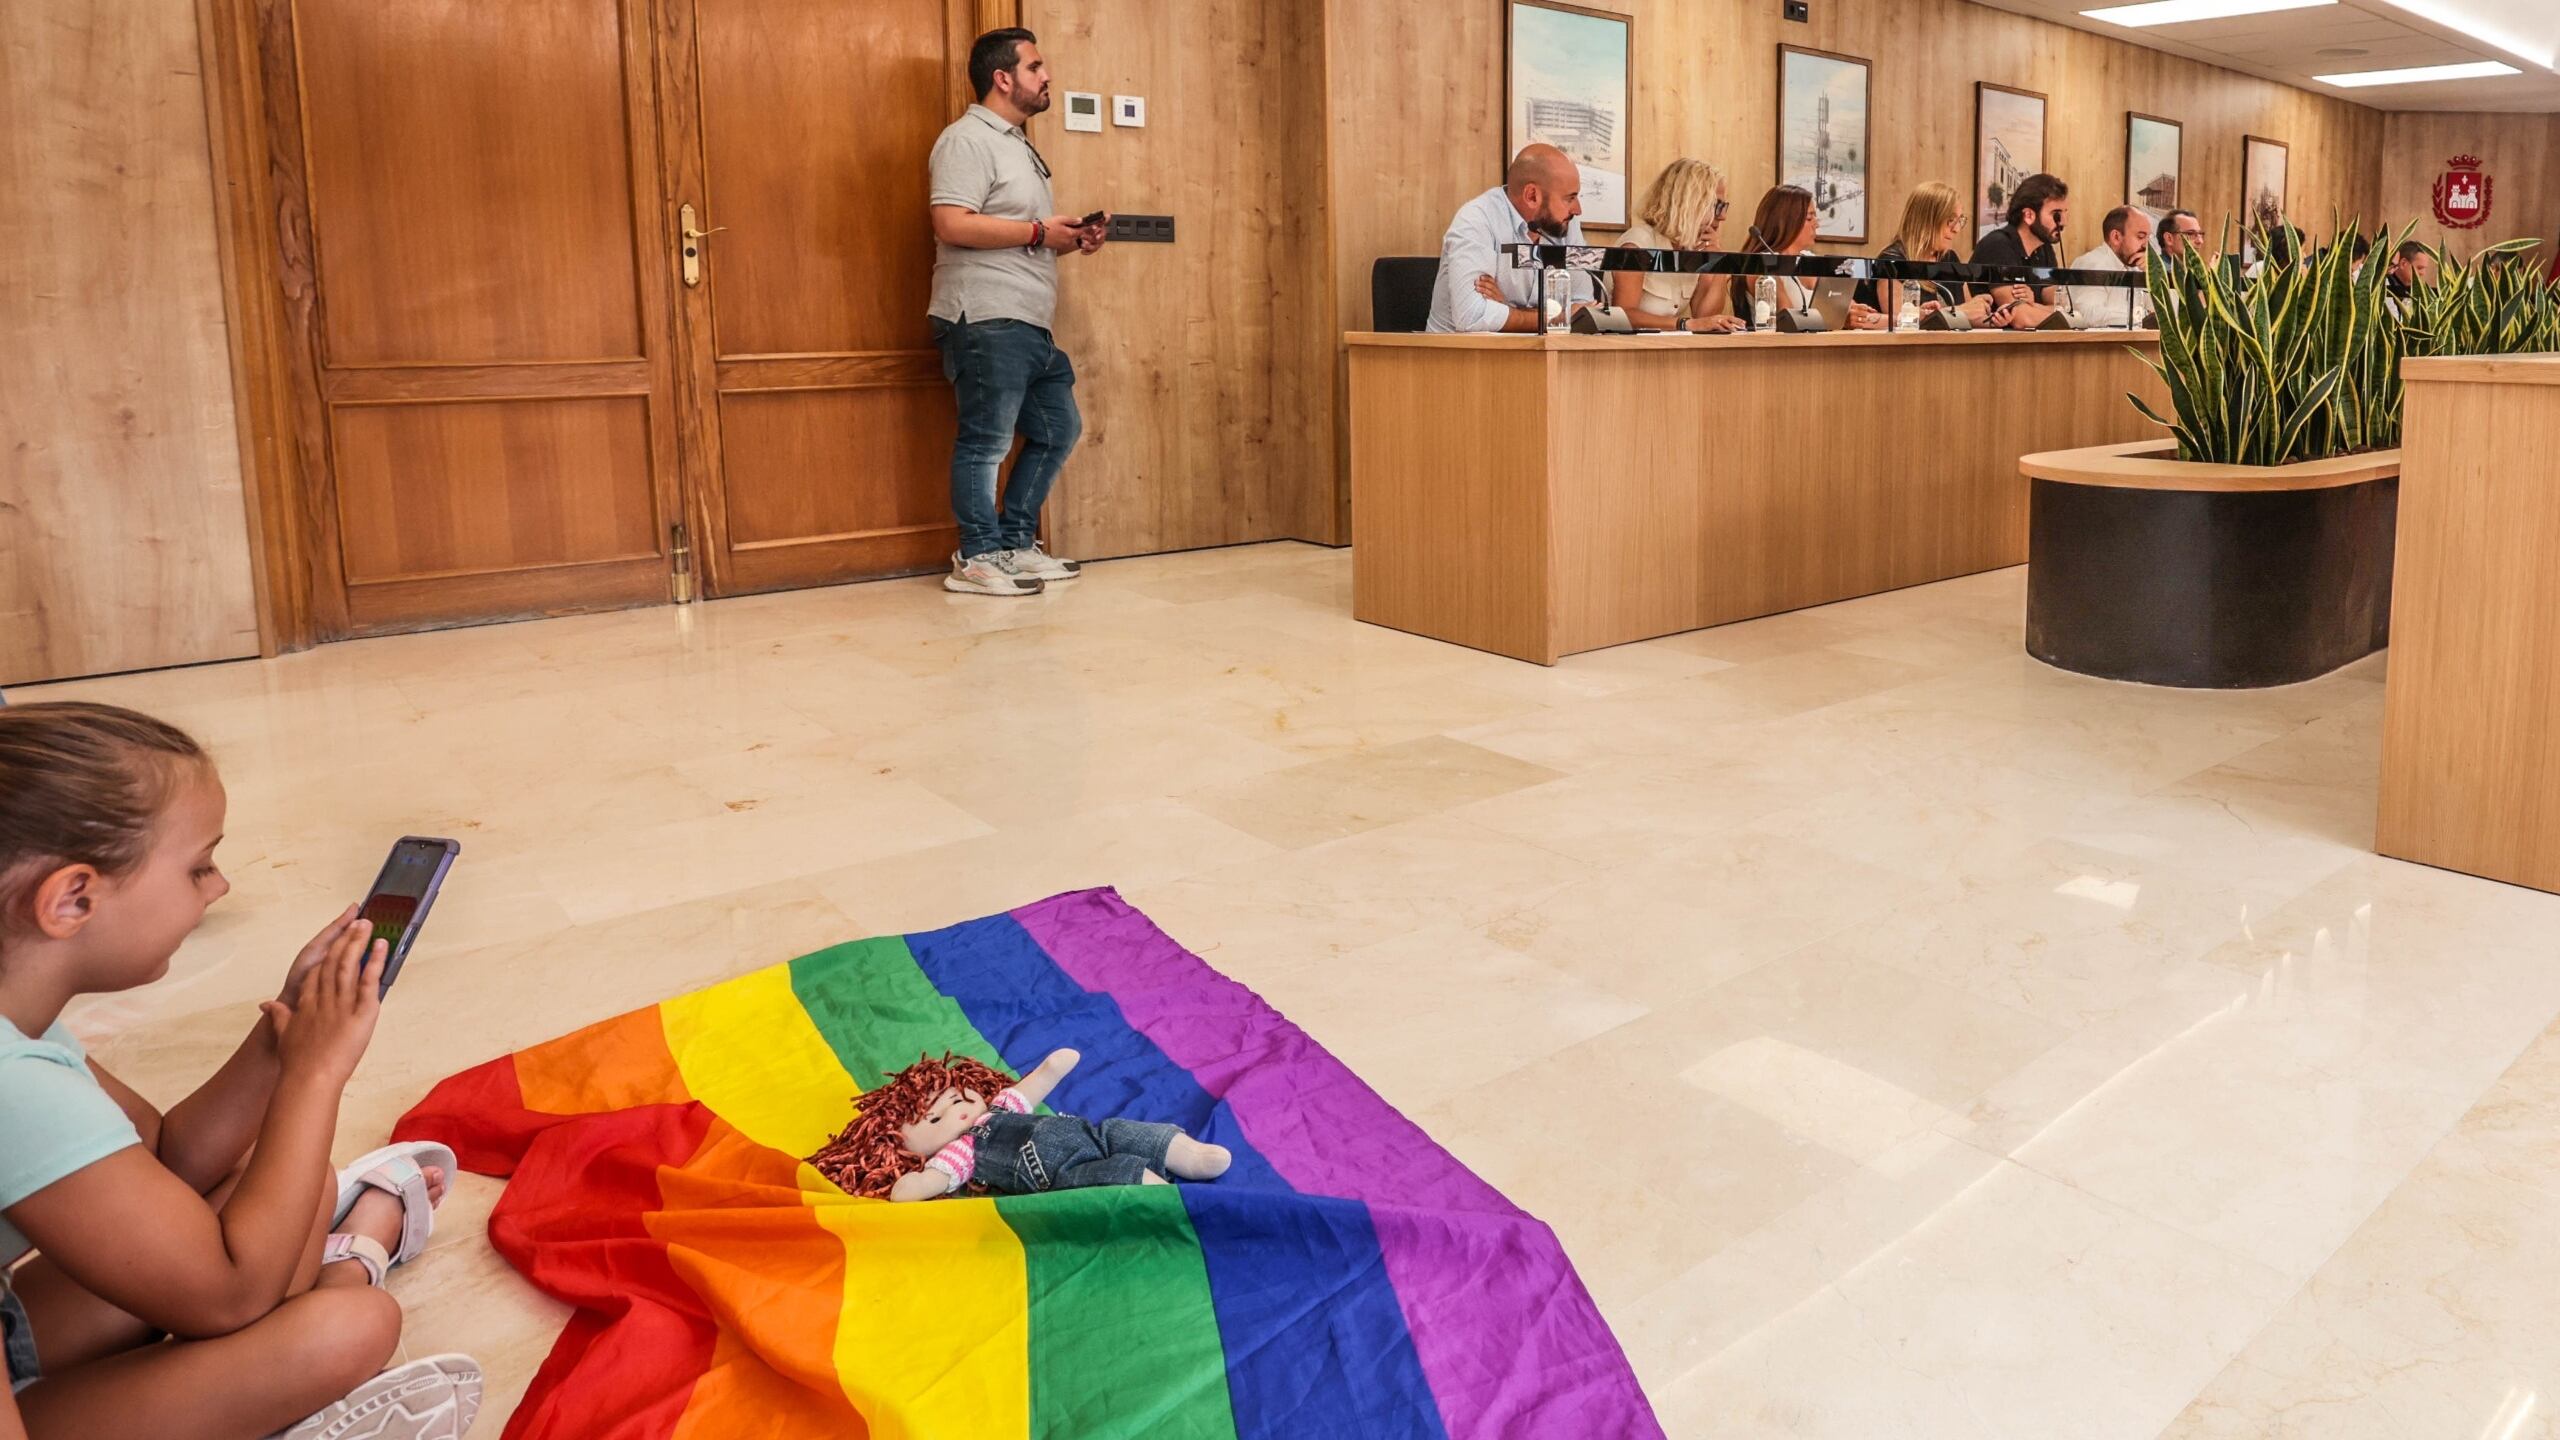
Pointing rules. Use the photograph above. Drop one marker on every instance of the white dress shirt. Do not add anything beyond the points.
(2102, 307)
(1473, 247)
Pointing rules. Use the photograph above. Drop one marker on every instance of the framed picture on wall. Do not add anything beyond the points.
(1824, 135)
(2263, 164)
(2008, 146)
(2151, 161)
(1569, 81)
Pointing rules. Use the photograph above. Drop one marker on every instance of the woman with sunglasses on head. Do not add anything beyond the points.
(1683, 209)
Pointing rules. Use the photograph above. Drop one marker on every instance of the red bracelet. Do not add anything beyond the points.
(1039, 233)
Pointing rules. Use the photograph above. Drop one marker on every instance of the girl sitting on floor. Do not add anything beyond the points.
(199, 1274)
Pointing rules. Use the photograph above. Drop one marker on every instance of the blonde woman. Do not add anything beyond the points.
(1932, 223)
(1683, 209)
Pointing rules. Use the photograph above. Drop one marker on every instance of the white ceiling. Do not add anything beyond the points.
(2287, 44)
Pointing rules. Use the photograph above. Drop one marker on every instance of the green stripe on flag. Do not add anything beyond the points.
(1124, 1341)
(1119, 1293)
(879, 1012)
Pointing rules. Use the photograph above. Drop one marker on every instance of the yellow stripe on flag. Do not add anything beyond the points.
(935, 1337)
(933, 1334)
(749, 1052)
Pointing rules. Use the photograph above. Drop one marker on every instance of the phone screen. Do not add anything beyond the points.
(404, 892)
(1091, 220)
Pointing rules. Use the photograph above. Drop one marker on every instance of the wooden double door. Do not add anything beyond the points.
(516, 392)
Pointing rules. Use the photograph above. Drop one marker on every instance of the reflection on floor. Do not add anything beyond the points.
(2003, 1053)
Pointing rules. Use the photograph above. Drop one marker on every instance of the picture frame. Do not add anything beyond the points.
(1568, 76)
(2154, 163)
(2265, 183)
(1815, 150)
(2008, 146)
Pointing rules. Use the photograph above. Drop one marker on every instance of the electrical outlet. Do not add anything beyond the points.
(1143, 229)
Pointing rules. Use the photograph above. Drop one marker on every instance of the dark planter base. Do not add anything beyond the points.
(2209, 589)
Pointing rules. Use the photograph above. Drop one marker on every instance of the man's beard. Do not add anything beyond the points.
(1552, 229)
(1033, 104)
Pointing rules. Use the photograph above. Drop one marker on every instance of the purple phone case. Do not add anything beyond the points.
(447, 852)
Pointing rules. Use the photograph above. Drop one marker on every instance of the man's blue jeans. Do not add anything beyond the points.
(1010, 377)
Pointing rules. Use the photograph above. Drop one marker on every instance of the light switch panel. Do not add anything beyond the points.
(1129, 111)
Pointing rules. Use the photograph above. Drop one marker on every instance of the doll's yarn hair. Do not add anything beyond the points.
(867, 1158)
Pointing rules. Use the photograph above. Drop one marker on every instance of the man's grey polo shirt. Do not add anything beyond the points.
(987, 166)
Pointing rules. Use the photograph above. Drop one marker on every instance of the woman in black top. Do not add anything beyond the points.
(1932, 222)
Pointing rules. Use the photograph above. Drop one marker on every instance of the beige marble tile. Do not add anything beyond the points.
(1347, 794)
(2019, 1308)
(1695, 916)
(1421, 1017)
(2435, 1318)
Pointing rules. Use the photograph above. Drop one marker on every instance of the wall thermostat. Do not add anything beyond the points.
(1129, 110)
(1084, 112)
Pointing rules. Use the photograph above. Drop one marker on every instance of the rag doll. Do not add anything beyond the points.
(939, 1126)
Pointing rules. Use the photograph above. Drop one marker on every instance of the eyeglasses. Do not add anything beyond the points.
(1037, 163)
(1721, 207)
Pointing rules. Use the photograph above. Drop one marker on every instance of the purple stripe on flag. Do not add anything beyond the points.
(1510, 1341)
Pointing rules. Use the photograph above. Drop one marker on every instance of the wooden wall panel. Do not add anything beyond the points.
(1204, 367)
(2520, 153)
(861, 440)
(123, 541)
(452, 213)
(473, 488)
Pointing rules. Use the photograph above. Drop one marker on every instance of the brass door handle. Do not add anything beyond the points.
(691, 258)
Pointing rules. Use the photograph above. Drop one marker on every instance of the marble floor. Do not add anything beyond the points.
(2017, 1055)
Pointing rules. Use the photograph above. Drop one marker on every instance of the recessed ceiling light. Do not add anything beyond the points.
(2342, 52)
(2461, 22)
(2179, 12)
(2476, 70)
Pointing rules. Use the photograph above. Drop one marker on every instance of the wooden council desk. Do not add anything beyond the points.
(1541, 495)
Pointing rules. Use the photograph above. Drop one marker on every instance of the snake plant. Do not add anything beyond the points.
(2302, 362)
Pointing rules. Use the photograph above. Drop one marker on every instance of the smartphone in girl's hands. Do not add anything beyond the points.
(404, 892)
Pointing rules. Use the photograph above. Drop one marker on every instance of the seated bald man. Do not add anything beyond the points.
(1538, 203)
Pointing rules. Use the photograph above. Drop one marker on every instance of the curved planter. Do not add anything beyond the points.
(2212, 577)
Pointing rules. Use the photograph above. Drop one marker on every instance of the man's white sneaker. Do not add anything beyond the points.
(1044, 566)
(993, 573)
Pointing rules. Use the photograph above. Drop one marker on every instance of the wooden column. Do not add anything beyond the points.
(2471, 734)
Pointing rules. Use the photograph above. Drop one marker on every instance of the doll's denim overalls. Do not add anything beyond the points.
(1026, 1154)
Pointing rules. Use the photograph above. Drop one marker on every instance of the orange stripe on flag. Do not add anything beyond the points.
(611, 1065)
(738, 1231)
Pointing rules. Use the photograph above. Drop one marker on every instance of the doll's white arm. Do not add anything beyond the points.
(922, 1185)
(1035, 1087)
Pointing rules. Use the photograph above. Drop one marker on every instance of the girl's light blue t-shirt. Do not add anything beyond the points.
(54, 1119)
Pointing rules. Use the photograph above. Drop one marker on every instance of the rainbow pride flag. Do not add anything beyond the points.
(1347, 1279)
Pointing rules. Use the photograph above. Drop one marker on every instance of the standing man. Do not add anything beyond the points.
(997, 239)
(2031, 234)
(1539, 202)
(2127, 232)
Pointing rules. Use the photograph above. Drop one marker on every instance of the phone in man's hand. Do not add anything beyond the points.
(404, 892)
(1096, 218)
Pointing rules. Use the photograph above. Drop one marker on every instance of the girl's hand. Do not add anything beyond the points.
(325, 1034)
(313, 953)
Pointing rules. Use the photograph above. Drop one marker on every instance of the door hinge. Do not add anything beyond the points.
(680, 570)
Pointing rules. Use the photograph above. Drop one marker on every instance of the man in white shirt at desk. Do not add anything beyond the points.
(1538, 203)
(2128, 246)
